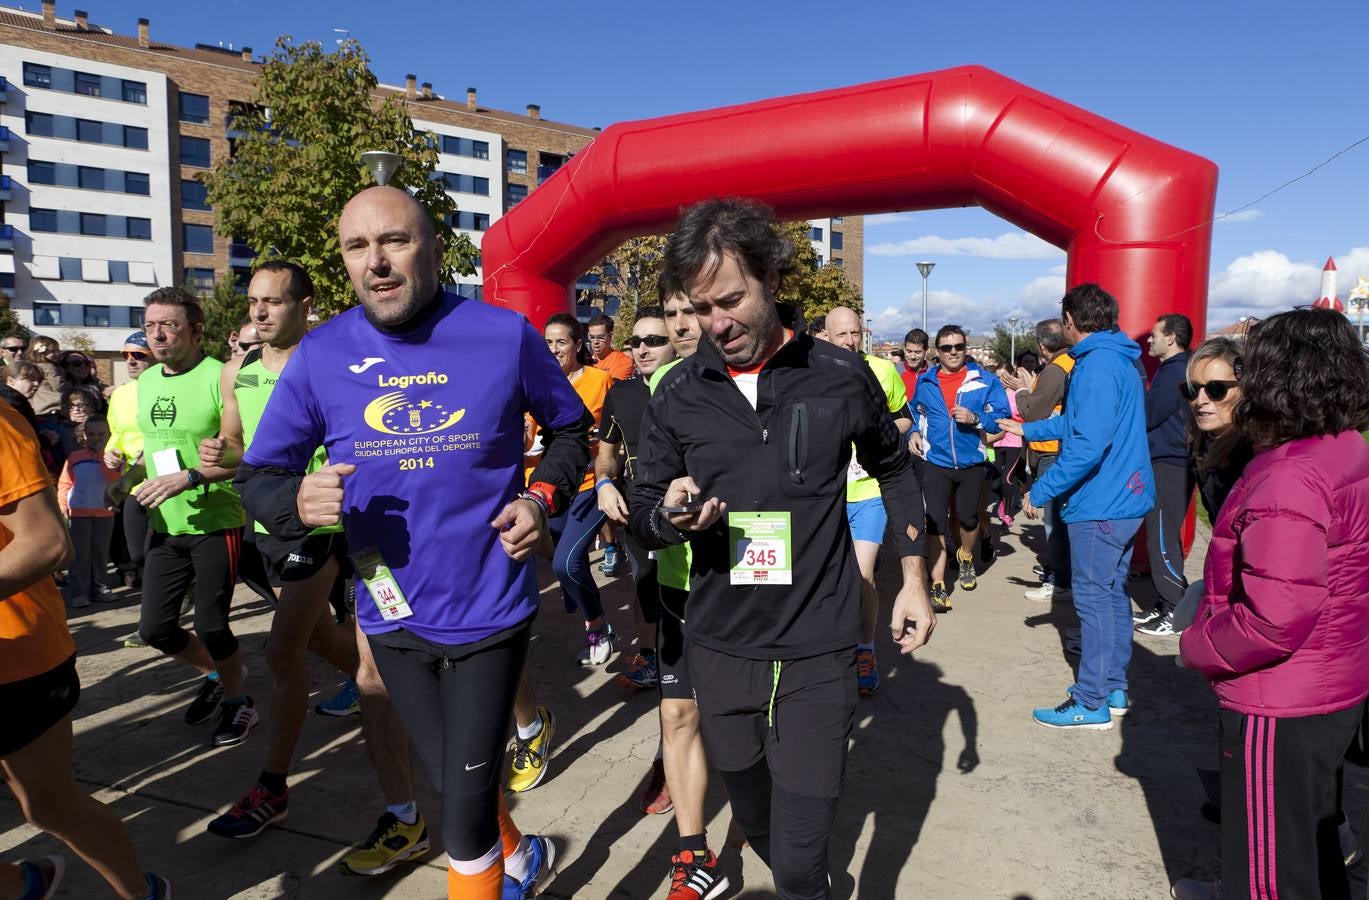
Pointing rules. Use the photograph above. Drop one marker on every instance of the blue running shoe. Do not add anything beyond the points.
(1119, 702)
(615, 561)
(542, 857)
(642, 673)
(347, 702)
(1073, 714)
(867, 672)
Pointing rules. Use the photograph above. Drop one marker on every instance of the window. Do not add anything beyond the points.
(466, 184)
(90, 131)
(91, 179)
(94, 223)
(471, 221)
(139, 229)
(37, 76)
(516, 193)
(42, 219)
(42, 172)
(815, 233)
(194, 195)
(87, 84)
(135, 138)
(70, 268)
(96, 316)
(195, 151)
(838, 220)
(460, 146)
(837, 240)
(194, 108)
(137, 183)
(518, 162)
(202, 279)
(198, 238)
(38, 124)
(135, 92)
(118, 271)
(135, 315)
(47, 314)
(838, 262)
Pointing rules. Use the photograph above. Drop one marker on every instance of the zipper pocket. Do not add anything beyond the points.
(798, 442)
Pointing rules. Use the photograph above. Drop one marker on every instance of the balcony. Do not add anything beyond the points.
(4, 139)
(4, 89)
(7, 237)
(240, 256)
(6, 187)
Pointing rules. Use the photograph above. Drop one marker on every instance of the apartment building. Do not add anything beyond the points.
(101, 137)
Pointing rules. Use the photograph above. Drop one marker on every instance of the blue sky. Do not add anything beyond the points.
(1265, 89)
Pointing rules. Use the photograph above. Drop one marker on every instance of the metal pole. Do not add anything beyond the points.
(1012, 342)
(926, 269)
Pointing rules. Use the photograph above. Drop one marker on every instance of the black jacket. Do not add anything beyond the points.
(790, 453)
(1167, 413)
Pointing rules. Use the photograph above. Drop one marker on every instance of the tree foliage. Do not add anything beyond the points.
(629, 273)
(225, 308)
(9, 322)
(1001, 343)
(296, 163)
(815, 289)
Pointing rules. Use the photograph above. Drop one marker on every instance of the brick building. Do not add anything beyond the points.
(102, 135)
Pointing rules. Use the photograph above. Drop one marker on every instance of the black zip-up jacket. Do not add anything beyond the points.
(790, 453)
(1167, 413)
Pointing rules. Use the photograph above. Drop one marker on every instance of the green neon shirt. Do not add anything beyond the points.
(861, 485)
(672, 563)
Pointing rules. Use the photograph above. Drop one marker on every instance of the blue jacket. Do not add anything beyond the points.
(1167, 413)
(950, 444)
(1103, 471)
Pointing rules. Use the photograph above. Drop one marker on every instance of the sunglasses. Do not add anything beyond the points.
(13, 348)
(651, 340)
(1216, 390)
(951, 348)
(78, 362)
(132, 356)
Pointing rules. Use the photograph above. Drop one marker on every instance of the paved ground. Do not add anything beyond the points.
(952, 792)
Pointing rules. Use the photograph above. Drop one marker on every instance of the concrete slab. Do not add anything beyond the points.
(952, 791)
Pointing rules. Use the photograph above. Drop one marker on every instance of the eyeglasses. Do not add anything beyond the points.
(951, 348)
(77, 362)
(651, 340)
(171, 327)
(136, 356)
(1216, 390)
(13, 348)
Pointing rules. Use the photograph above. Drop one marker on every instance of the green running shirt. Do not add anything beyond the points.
(177, 412)
(252, 388)
(672, 563)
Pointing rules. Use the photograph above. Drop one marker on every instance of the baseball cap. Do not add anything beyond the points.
(136, 341)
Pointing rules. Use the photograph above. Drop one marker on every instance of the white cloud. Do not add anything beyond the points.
(887, 219)
(1039, 299)
(1245, 215)
(1014, 245)
(1267, 281)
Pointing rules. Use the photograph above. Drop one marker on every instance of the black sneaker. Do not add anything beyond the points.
(251, 814)
(1160, 626)
(941, 601)
(235, 721)
(1145, 617)
(967, 576)
(202, 708)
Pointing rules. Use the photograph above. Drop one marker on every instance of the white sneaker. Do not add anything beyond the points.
(1047, 593)
(598, 647)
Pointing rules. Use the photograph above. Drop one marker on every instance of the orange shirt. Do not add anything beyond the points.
(592, 385)
(33, 624)
(617, 364)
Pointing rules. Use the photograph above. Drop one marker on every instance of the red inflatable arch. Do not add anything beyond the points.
(1133, 213)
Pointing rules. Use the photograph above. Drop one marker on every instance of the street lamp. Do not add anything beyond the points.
(1012, 343)
(869, 338)
(926, 269)
(381, 164)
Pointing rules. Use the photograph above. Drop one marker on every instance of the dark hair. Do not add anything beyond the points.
(299, 286)
(600, 320)
(1024, 356)
(1304, 374)
(1092, 308)
(649, 312)
(77, 392)
(1178, 327)
(80, 430)
(950, 329)
(916, 336)
(819, 323)
(174, 296)
(42, 340)
(1050, 334)
(896, 353)
(571, 323)
(22, 369)
(706, 230)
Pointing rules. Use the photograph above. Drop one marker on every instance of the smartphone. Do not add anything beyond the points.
(692, 503)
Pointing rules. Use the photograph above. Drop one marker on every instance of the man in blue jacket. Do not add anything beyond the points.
(955, 402)
(1167, 418)
(1103, 477)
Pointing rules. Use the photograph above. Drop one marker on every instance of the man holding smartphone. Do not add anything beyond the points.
(760, 424)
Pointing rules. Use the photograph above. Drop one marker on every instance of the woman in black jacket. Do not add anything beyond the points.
(1218, 452)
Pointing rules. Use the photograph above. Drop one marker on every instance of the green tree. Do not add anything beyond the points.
(629, 273)
(225, 308)
(9, 322)
(1001, 343)
(297, 162)
(815, 289)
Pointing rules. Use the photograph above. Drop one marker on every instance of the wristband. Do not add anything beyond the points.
(536, 500)
(544, 494)
(600, 483)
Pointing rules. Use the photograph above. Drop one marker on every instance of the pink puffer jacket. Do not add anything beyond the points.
(1283, 628)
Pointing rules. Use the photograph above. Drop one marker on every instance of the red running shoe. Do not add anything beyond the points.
(656, 798)
(695, 877)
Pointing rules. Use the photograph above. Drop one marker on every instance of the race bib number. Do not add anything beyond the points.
(381, 585)
(761, 543)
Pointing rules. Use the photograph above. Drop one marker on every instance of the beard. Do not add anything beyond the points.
(755, 339)
(403, 305)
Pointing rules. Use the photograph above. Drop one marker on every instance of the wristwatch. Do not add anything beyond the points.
(194, 477)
